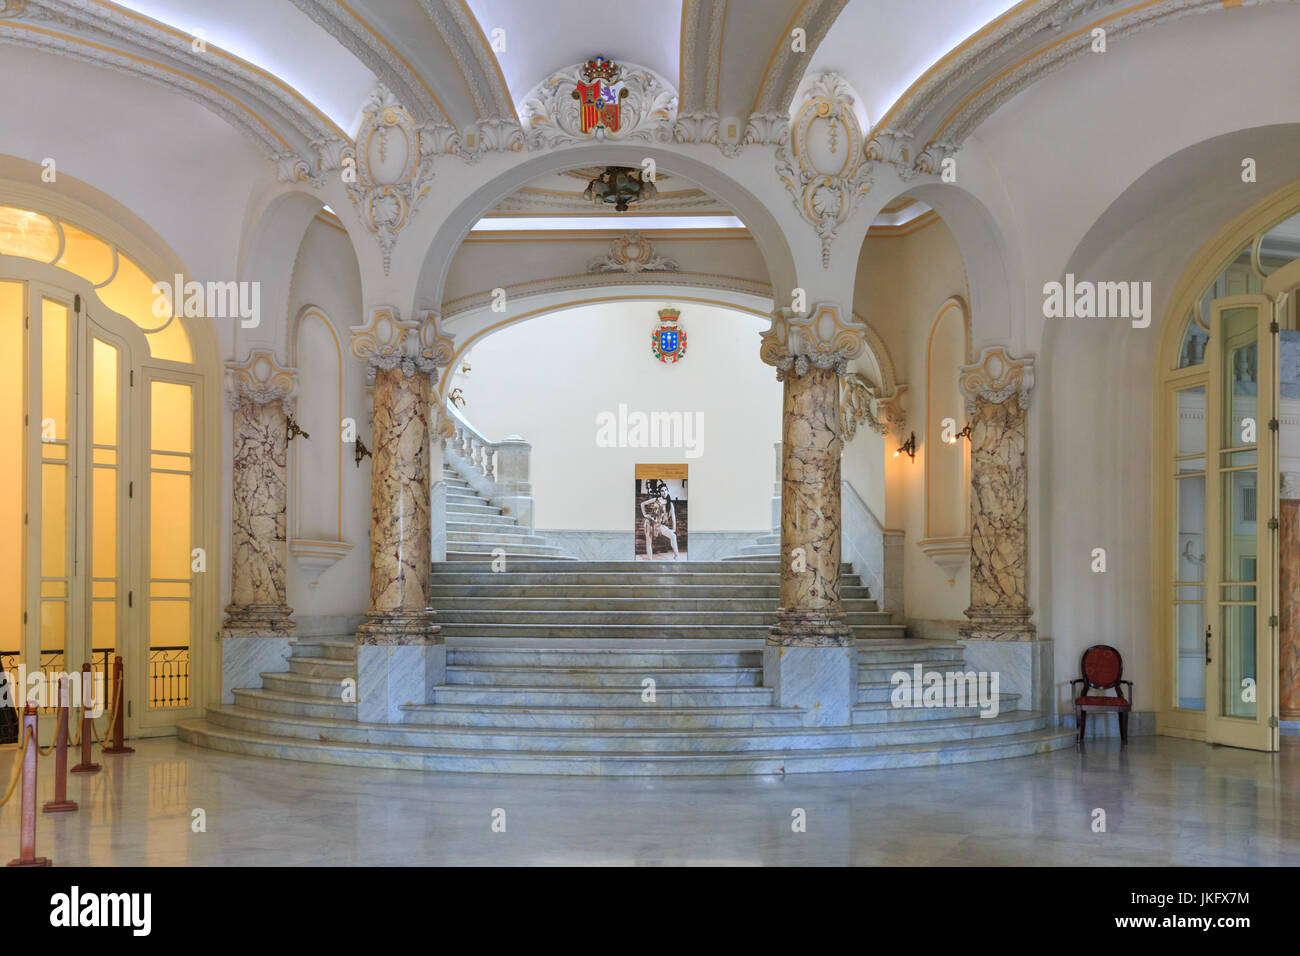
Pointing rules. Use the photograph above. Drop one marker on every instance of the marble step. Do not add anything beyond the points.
(639, 716)
(281, 702)
(466, 522)
(621, 739)
(871, 672)
(322, 666)
(874, 652)
(720, 615)
(542, 696)
(305, 685)
(1005, 702)
(452, 599)
(625, 656)
(513, 535)
(335, 649)
(613, 763)
(601, 675)
(644, 631)
(505, 587)
(464, 553)
(556, 577)
(472, 511)
(637, 568)
(485, 547)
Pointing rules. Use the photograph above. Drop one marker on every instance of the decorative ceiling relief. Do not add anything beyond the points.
(394, 166)
(817, 339)
(632, 253)
(599, 100)
(825, 170)
(388, 342)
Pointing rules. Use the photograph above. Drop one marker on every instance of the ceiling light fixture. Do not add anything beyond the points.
(619, 186)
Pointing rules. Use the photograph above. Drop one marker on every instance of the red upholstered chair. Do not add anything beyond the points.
(1103, 669)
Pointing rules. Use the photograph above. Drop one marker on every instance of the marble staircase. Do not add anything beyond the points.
(547, 673)
(476, 527)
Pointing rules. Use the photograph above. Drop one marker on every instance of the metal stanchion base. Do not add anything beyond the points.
(84, 768)
(117, 750)
(39, 861)
(59, 806)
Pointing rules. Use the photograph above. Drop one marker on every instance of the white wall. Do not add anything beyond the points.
(547, 379)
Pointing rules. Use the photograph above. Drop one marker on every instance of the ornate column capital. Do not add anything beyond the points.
(260, 379)
(995, 376)
(386, 341)
(819, 338)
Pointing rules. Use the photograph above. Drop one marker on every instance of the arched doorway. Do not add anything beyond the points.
(104, 494)
(1217, 547)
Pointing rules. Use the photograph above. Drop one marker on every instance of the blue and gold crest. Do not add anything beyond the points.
(667, 338)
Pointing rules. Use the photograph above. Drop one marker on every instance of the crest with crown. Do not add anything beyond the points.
(600, 68)
(667, 339)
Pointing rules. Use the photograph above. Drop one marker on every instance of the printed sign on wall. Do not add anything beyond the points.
(660, 516)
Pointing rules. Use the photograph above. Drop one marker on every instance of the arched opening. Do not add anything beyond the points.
(109, 496)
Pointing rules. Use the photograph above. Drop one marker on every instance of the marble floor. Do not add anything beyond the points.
(1167, 802)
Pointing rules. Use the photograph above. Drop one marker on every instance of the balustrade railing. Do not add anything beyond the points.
(498, 470)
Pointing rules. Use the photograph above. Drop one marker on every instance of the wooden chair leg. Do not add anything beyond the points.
(1080, 718)
(1123, 729)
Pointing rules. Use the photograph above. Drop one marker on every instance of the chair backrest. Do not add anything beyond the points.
(1102, 666)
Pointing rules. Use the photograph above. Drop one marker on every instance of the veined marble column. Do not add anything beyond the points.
(259, 392)
(258, 627)
(1289, 598)
(997, 401)
(810, 659)
(400, 654)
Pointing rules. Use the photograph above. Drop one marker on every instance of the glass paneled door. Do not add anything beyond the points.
(1240, 491)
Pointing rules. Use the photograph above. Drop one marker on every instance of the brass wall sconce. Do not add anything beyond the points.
(908, 446)
(362, 451)
(964, 433)
(292, 430)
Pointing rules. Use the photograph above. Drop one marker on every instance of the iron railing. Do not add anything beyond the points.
(169, 672)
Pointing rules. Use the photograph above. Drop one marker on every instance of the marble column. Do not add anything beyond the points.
(401, 655)
(997, 401)
(810, 658)
(258, 626)
(1289, 598)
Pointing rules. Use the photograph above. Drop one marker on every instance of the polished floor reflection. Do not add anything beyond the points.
(1166, 802)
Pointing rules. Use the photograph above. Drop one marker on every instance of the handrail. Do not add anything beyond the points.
(471, 445)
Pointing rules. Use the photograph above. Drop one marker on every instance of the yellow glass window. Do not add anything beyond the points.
(131, 293)
(54, 373)
(28, 234)
(171, 418)
(86, 255)
(104, 357)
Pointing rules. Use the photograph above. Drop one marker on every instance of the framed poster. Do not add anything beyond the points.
(660, 513)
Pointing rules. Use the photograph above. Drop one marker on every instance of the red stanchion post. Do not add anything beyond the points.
(61, 803)
(119, 713)
(87, 732)
(27, 827)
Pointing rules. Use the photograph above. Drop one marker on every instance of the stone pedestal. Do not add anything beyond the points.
(392, 674)
(997, 401)
(259, 392)
(810, 660)
(400, 533)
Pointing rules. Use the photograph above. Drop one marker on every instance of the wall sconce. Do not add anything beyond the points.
(964, 433)
(908, 446)
(292, 430)
(362, 451)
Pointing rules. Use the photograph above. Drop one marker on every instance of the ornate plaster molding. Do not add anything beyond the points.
(632, 253)
(816, 339)
(858, 406)
(787, 66)
(394, 166)
(995, 376)
(825, 145)
(260, 379)
(386, 341)
(463, 36)
(891, 410)
(552, 116)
